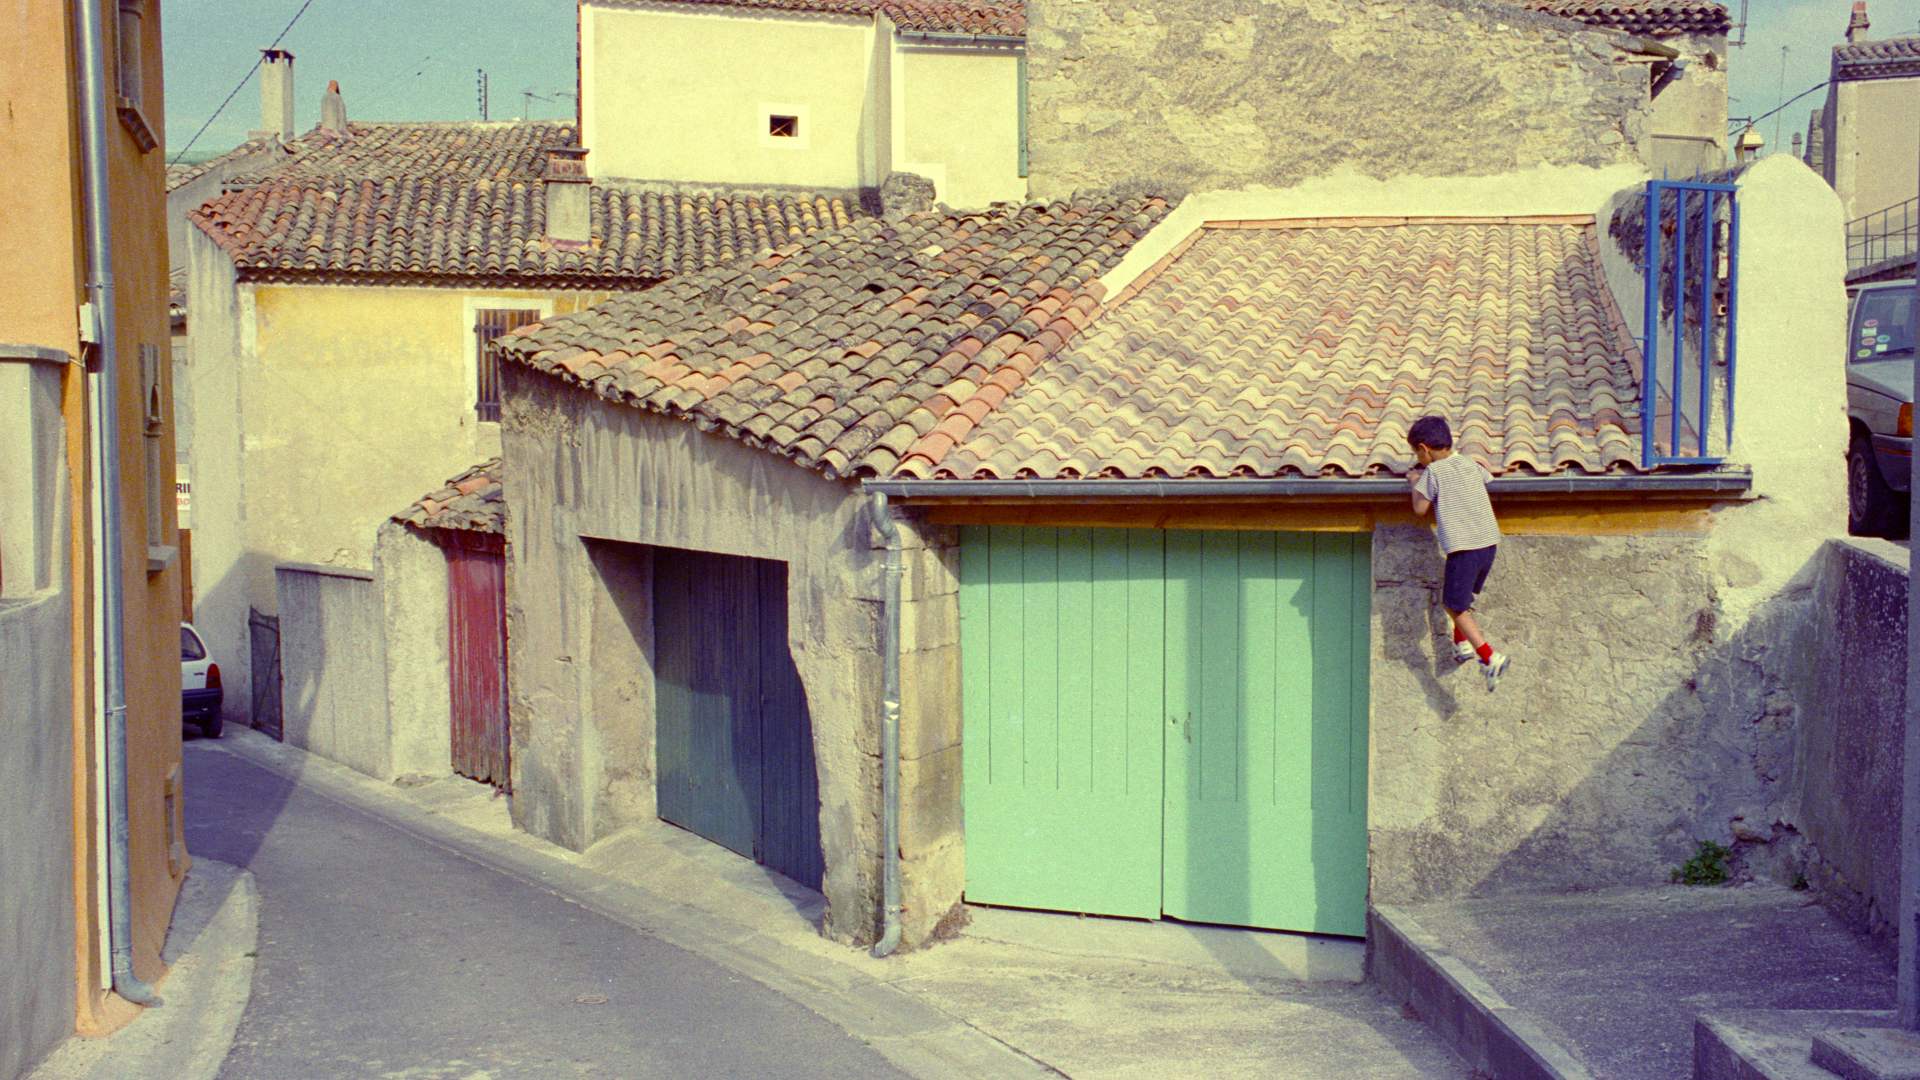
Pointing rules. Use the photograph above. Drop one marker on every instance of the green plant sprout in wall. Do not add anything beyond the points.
(1707, 867)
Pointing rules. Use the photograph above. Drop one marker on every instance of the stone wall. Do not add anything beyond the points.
(1852, 737)
(593, 485)
(1186, 95)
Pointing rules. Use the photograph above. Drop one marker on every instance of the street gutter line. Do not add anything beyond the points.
(914, 1035)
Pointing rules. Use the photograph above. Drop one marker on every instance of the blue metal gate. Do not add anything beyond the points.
(1692, 303)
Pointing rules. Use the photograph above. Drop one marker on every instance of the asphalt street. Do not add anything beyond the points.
(383, 954)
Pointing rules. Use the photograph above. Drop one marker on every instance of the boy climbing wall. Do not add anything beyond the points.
(1454, 487)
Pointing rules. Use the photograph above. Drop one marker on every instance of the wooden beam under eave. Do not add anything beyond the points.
(1519, 516)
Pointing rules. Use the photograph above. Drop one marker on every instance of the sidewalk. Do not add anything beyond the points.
(1015, 994)
(209, 955)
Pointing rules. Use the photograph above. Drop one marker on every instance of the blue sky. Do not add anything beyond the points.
(415, 59)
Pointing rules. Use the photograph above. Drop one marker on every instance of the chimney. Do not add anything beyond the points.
(1798, 148)
(333, 109)
(276, 94)
(569, 190)
(1857, 22)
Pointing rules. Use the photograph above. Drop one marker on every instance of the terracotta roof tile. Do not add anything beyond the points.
(472, 501)
(474, 150)
(1654, 18)
(994, 18)
(1264, 352)
(864, 371)
(178, 175)
(1877, 59)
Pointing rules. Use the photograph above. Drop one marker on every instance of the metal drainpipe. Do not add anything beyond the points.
(890, 730)
(94, 132)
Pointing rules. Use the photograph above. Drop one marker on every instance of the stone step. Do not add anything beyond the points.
(1769, 1044)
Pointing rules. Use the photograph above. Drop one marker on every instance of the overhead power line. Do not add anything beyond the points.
(1743, 121)
(235, 92)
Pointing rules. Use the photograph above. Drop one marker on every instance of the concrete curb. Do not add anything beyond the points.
(914, 1036)
(1414, 970)
(210, 956)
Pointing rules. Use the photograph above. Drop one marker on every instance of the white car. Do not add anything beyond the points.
(200, 693)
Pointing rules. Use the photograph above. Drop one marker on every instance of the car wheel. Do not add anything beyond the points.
(212, 726)
(1871, 505)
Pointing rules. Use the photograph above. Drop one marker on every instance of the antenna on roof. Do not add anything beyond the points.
(1740, 28)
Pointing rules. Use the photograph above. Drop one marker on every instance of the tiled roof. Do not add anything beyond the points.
(472, 150)
(443, 202)
(179, 175)
(1308, 348)
(994, 18)
(471, 501)
(1877, 59)
(432, 230)
(1654, 18)
(846, 351)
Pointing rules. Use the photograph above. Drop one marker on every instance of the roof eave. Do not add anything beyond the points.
(1723, 482)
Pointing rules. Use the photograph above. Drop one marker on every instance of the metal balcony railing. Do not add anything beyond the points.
(1884, 236)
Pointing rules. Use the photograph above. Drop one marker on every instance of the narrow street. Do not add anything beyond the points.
(384, 955)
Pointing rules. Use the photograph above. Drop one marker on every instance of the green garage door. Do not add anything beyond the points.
(1167, 723)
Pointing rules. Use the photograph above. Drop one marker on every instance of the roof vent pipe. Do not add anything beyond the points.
(569, 190)
(276, 94)
(333, 109)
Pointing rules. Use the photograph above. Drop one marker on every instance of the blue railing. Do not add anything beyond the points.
(1702, 301)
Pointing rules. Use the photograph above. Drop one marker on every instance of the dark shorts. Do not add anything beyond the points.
(1466, 576)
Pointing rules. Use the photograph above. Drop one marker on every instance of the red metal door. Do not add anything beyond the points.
(477, 657)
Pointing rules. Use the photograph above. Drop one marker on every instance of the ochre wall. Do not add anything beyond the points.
(696, 109)
(1876, 155)
(39, 86)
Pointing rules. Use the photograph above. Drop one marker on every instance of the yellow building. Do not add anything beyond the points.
(83, 382)
(1868, 146)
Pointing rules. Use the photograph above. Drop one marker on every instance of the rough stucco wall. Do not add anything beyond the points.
(933, 869)
(1879, 149)
(332, 651)
(1687, 123)
(620, 670)
(411, 573)
(1852, 737)
(36, 770)
(1186, 95)
(580, 467)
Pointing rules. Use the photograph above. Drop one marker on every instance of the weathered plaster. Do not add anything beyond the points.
(1687, 123)
(1183, 96)
(332, 656)
(410, 571)
(582, 469)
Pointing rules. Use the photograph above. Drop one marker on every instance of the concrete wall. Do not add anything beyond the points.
(37, 706)
(1852, 737)
(1185, 96)
(678, 95)
(582, 469)
(411, 573)
(1873, 149)
(958, 115)
(333, 660)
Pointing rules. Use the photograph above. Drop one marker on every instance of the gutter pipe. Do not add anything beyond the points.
(94, 132)
(1720, 482)
(890, 730)
(930, 37)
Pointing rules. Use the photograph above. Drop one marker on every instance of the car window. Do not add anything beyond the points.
(190, 647)
(1883, 324)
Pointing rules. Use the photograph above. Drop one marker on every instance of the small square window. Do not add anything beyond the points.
(783, 127)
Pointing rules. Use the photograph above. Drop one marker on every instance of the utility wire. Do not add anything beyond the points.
(241, 85)
(1731, 124)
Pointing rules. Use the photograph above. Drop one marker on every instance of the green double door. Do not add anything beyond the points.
(1167, 723)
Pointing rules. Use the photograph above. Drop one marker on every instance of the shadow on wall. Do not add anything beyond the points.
(1629, 728)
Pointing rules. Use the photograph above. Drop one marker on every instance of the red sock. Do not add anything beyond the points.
(1458, 635)
(1486, 652)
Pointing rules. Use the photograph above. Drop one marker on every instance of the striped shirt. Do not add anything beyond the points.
(1462, 512)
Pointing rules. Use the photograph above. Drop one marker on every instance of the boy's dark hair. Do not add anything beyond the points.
(1431, 432)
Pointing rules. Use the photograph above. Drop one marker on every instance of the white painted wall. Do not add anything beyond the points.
(672, 95)
(956, 117)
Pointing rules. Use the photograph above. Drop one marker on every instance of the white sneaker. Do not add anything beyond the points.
(1462, 652)
(1495, 667)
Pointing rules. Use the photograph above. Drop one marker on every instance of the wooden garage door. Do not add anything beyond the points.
(1167, 723)
(734, 741)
